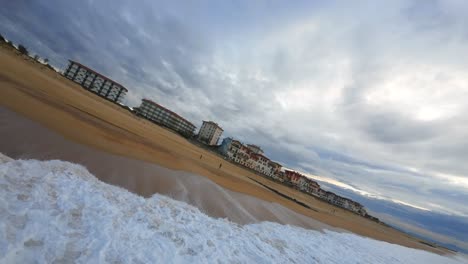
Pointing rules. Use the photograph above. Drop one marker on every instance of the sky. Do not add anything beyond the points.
(369, 95)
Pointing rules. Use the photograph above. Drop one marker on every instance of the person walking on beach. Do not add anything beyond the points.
(220, 165)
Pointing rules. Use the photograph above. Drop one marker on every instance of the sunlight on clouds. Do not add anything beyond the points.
(362, 192)
(425, 93)
(410, 205)
(455, 180)
(429, 113)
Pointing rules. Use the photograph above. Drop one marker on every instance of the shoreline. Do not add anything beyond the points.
(49, 99)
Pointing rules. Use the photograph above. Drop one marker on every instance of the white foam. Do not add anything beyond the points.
(57, 211)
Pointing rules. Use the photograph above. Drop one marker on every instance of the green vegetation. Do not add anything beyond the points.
(23, 50)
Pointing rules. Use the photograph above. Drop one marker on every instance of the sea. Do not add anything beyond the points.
(62, 202)
(58, 212)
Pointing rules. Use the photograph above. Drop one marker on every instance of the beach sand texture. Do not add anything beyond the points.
(59, 105)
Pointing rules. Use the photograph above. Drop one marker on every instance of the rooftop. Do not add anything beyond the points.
(213, 123)
(260, 156)
(254, 146)
(97, 73)
(276, 163)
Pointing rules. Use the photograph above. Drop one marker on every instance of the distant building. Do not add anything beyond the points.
(210, 132)
(95, 82)
(260, 163)
(245, 155)
(255, 149)
(275, 168)
(165, 117)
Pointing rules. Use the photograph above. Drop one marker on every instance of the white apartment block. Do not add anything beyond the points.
(210, 132)
(95, 82)
(165, 117)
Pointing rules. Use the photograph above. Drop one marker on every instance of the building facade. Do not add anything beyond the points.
(246, 155)
(95, 82)
(209, 133)
(275, 169)
(251, 156)
(165, 117)
(261, 163)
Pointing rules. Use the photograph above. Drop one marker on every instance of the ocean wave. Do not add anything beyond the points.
(55, 211)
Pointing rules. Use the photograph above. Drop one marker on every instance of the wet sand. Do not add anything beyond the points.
(133, 153)
(142, 177)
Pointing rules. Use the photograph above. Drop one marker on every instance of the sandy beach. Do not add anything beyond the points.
(45, 116)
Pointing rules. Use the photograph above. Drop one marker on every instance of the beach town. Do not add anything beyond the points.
(249, 156)
(87, 107)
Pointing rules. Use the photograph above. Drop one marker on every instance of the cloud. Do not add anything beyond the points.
(371, 94)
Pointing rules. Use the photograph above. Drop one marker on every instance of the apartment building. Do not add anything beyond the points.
(209, 133)
(165, 117)
(95, 82)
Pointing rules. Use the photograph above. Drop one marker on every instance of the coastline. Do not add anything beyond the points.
(47, 98)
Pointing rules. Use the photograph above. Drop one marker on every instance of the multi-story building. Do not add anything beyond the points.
(342, 202)
(209, 133)
(95, 82)
(165, 117)
(313, 187)
(260, 163)
(274, 169)
(255, 149)
(250, 156)
(292, 176)
(247, 156)
(235, 151)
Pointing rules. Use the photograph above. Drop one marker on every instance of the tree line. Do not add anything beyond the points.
(23, 50)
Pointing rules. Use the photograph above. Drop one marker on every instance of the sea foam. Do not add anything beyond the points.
(55, 211)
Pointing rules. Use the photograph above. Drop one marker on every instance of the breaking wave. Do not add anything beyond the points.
(55, 211)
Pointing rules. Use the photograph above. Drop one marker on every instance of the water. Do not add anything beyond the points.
(25, 139)
(55, 211)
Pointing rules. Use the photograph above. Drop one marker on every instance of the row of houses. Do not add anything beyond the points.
(252, 156)
(93, 81)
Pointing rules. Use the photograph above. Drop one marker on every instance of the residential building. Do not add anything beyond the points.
(95, 82)
(274, 170)
(342, 202)
(313, 187)
(165, 117)
(292, 176)
(261, 163)
(251, 156)
(226, 149)
(209, 133)
(255, 149)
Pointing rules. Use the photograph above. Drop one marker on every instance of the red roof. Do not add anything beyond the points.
(275, 163)
(255, 146)
(261, 156)
(158, 105)
(97, 73)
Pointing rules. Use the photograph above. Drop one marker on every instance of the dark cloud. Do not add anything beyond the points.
(394, 128)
